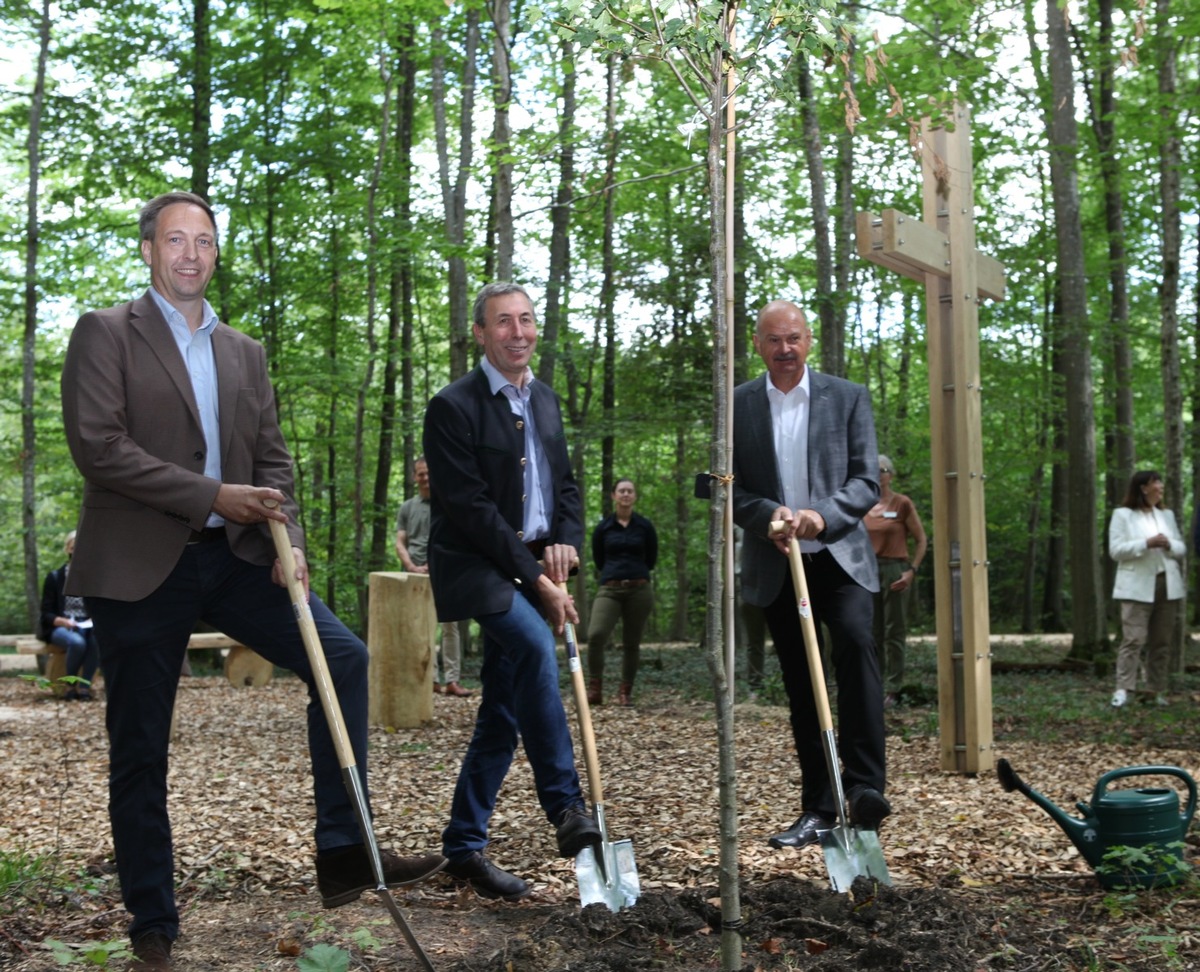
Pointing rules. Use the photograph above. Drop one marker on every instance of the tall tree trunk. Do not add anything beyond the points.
(200, 147)
(397, 361)
(1089, 639)
(1169, 165)
(608, 391)
(558, 278)
(29, 338)
(831, 353)
(454, 193)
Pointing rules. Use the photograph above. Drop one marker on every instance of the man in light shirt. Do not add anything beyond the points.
(507, 527)
(804, 453)
(170, 417)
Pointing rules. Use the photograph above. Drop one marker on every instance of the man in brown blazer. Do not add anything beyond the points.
(170, 417)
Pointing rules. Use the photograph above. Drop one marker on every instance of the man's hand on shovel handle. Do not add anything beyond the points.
(558, 560)
(273, 512)
(803, 525)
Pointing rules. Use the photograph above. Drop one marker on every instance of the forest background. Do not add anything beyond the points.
(374, 163)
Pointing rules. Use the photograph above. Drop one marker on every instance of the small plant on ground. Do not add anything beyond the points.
(101, 955)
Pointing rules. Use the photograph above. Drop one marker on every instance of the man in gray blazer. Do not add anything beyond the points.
(804, 453)
(170, 417)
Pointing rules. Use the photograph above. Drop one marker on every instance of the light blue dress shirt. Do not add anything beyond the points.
(197, 352)
(538, 501)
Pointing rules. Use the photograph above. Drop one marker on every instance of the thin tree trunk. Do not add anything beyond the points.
(1169, 165)
(454, 193)
(201, 148)
(502, 217)
(558, 278)
(29, 337)
(822, 247)
(608, 392)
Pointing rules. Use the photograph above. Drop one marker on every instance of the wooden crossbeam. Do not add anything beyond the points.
(913, 249)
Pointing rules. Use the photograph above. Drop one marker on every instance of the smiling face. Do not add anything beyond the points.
(182, 255)
(1152, 492)
(508, 334)
(782, 339)
(421, 477)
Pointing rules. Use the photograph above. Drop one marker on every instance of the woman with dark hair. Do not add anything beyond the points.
(624, 549)
(1144, 540)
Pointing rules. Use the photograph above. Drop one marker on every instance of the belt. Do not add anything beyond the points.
(207, 535)
(537, 547)
(633, 582)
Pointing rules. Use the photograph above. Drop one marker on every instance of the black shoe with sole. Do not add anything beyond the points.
(487, 880)
(806, 830)
(867, 807)
(151, 953)
(345, 873)
(576, 830)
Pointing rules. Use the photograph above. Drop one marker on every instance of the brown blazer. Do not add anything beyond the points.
(134, 431)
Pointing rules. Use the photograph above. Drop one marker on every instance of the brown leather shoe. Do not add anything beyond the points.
(437, 688)
(625, 694)
(151, 953)
(345, 873)
(595, 694)
(453, 688)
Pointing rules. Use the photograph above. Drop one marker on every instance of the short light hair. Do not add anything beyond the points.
(148, 217)
(886, 465)
(495, 290)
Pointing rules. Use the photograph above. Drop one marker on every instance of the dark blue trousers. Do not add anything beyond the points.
(142, 648)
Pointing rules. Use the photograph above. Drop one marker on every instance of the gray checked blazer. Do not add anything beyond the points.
(843, 472)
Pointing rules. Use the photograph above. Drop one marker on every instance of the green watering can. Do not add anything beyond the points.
(1147, 817)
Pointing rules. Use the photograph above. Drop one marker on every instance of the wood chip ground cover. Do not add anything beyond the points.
(982, 879)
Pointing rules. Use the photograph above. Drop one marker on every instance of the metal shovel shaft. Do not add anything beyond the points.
(337, 729)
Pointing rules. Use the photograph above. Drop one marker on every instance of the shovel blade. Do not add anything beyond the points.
(849, 853)
(615, 882)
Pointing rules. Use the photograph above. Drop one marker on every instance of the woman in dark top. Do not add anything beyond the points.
(64, 622)
(624, 549)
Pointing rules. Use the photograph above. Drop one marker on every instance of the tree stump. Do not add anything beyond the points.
(244, 667)
(402, 641)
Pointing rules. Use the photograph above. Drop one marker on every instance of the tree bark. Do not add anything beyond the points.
(1089, 639)
(29, 337)
(502, 217)
(454, 192)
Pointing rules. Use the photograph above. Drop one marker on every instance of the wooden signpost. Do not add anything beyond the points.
(940, 252)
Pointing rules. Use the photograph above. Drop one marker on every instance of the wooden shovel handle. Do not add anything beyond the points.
(808, 626)
(591, 759)
(312, 642)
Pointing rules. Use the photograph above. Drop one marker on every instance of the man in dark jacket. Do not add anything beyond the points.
(506, 529)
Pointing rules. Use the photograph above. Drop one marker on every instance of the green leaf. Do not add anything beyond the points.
(324, 958)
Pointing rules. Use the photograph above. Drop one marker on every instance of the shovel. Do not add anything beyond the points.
(849, 851)
(337, 728)
(610, 877)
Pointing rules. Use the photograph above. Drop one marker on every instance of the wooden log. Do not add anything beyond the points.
(401, 638)
(244, 667)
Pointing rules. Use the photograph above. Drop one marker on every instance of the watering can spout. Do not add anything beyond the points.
(1083, 833)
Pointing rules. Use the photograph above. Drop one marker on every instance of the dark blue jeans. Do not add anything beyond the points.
(83, 654)
(142, 647)
(520, 696)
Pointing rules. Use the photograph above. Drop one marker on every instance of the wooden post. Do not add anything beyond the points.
(940, 252)
(402, 640)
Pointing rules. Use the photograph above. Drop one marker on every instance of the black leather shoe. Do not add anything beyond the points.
(867, 807)
(803, 832)
(151, 953)
(487, 880)
(345, 873)
(576, 830)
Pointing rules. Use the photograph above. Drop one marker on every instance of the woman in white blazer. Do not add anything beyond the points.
(1144, 540)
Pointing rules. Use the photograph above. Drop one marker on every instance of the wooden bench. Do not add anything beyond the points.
(243, 667)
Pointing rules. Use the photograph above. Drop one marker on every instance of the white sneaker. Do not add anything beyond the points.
(1120, 697)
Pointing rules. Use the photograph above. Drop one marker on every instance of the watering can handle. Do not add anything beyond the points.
(1189, 810)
